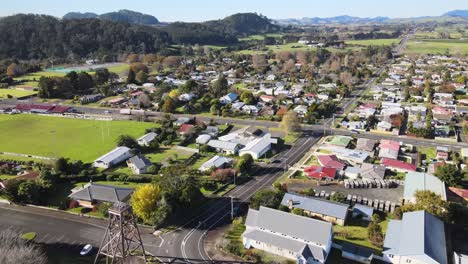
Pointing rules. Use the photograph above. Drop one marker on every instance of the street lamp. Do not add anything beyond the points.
(232, 207)
(323, 117)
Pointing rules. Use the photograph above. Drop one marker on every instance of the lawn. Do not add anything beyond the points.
(357, 233)
(260, 37)
(164, 153)
(76, 139)
(428, 153)
(373, 42)
(433, 46)
(15, 93)
(119, 69)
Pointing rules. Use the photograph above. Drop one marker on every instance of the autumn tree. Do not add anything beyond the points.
(259, 62)
(346, 78)
(14, 70)
(141, 77)
(169, 105)
(144, 202)
(290, 123)
(171, 61)
(132, 58)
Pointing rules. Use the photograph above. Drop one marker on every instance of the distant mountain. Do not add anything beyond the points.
(457, 13)
(243, 23)
(119, 16)
(332, 20)
(78, 15)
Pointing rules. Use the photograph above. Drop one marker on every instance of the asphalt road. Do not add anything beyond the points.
(62, 229)
(187, 242)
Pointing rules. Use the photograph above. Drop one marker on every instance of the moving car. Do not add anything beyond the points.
(86, 250)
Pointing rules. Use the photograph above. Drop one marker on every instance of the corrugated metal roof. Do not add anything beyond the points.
(104, 193)
(419, 235)
(316, 205)
(114, 154)
(422, 181)
(218, 144)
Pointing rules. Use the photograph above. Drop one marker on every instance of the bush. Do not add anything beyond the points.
(73, 204)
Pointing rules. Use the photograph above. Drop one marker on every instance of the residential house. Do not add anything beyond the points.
(226, 147)
(186, 130)
(91, 98)
(257, 147)
(229, 98)
(211, 130)
(250, 109)
(301, 110)
(442, 153)
(389, 149)
(330, 161)
(183, 120)
(92, 194)
(384, 126)
(329, 211)
(113, 158)
(418, 181)
(366, 144)
(218, 162)
(295, 237)
(320, 173)
(342, 141)
(371, 171)
(442, 114)
(419, 237)
(352, 172)
(267, 98)
(459, 193)
(139, 164)
(203, 139)
(25, 175)
(146, 140)
(397, 165)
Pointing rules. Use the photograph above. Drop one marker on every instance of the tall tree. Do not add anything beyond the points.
(220, 86)
(450, 174)
(430, 202)
(145, 200)
(290, 123)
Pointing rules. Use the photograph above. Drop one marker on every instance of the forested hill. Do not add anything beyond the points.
(244, 23)
(119, 16)
(40, 37)
(224, 31)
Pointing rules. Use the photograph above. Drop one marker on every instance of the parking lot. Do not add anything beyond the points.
(385, 194)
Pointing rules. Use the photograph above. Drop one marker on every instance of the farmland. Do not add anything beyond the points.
(76, 139)
(432, 46)
(373, 42)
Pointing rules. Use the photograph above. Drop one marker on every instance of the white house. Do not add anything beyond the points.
(226, 147)
(112, 158)
(295, 237)
(419, 237)
(216, 162)
(300, 110)
(145, 140)
(139, 164)
(257, 147)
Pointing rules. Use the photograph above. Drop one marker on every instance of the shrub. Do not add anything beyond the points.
(73, 204)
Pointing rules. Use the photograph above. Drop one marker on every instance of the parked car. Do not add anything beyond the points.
(86, 250)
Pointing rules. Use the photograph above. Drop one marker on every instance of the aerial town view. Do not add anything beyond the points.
(206, 131)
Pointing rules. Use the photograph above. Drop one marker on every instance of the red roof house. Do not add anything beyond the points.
(397, 165)
(389, 144)
(319, 172)
(330, 161)
(462, 193)
(186, 129)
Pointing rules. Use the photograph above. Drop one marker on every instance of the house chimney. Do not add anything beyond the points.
(290, 203)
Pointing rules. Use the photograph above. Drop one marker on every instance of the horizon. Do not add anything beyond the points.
(211, 10)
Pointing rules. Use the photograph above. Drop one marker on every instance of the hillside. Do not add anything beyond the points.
(457, 13)
(243, 23)
(332, 20)
(119, 16)
(40, 37)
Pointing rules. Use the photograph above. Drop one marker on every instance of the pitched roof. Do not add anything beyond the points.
(319, 172)
(316, 205)
(258, 145)
(415, 181)
(330, 161)
(398, 164)
(362, 209)
(140, 161)
(216, 161)
(390, 144)
(148, 137)
(113, 154)
(225, 145)
(104, 193)
(371, 171)
(419, 235)
(365, 144)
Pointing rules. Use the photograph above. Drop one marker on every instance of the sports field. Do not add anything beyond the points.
(76, 139)
(433, 46)
(15, 93)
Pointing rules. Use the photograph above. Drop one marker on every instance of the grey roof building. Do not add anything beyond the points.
(317, 207)
(418, 181)
(371, 171)
(303, 239)
(419, 238)
(365, 144)
(145, 140)
(113, 157)
(101, 193)
(224, 146)
(139, 164)
(216, 161)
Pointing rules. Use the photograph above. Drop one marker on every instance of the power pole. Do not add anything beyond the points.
(232, 208)
(122, 239)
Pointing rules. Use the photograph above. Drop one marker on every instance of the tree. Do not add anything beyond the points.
(290, 123)
(127, 141)
(101, 76)
(247, 97)
(297, 211)
(374, 233)
(267, 198)
(61, 165)
(14, 70)
(131, 76)
(144, 202)
(220, 86)
(308, 192)
(338, 197)
(14, 249)
(450, 174)
(144, 100)
(141, 77)
(245, 164)
(29, 192)
(168, 105)
(430, 202)
(85, 82)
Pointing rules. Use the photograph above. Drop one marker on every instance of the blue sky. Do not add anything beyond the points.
(201, 10)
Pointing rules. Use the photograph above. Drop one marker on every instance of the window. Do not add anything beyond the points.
(408, 260)
(390, 255)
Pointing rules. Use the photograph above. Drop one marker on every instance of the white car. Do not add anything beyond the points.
(86, 250)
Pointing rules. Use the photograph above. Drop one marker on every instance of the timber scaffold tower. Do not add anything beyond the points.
(122, 241)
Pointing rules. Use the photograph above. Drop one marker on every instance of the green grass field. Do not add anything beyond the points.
(260, 37)
(291, 47)
(433, 46)
(373, 42)
(15, 93)
(76, 139)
